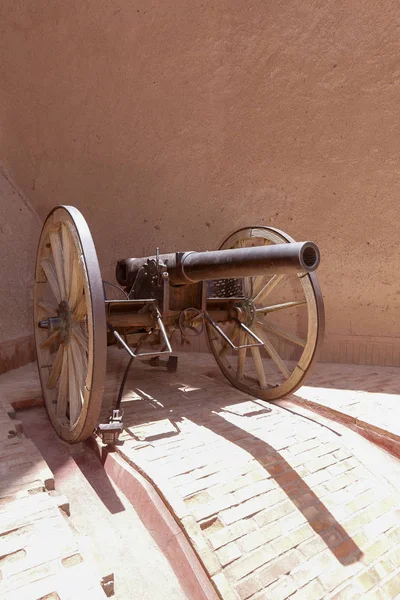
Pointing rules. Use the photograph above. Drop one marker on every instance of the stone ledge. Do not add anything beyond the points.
(158, 517)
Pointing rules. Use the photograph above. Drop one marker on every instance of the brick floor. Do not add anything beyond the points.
(277, 505)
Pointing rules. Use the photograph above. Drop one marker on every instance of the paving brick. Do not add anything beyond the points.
(283, 588)
(312, 547)
(244, 510)
(319, 477)
(248, 586)
(333, 447)
(276, 468)
(319, 518)
(343, 466)
(376, 594)
(361, 501)
(236, 483)
(249, 563)
(293, 539)
(387, 504)
(311, 569)
(304, 500)
(382, 523)
(311, 591)
(229, 553)
(287, 478)
(285, 564)
(333, 578)
(304, 446)
(348, 592)
(341, 482)
(224, 588)
(275, 513)
(394, 556)
(384, 566)
(357, 521)
(376, 550)
(339, 498)
(197, 498)
(231, 533)
(342, 453)
(394, 535)
(294, 520)
(368, 579)
(334, 536)
(363, 485)
(345, 549)
(391, 587)
(213, 507)
(321, 463)
(302, 458)
(255, 539)
(254, 489)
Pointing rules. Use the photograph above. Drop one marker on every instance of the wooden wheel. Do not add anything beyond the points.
(70, 324)
(285, 311)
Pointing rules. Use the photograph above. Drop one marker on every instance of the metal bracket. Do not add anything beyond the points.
(226, 338)
(110, 431)
(130, 351)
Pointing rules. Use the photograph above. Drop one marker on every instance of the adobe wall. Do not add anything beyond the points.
(172, 124)
(19, 231)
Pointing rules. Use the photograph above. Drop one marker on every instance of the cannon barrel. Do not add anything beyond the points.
(191, 267)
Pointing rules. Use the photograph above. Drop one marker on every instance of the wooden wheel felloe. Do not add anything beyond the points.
(70, 324)
(286, 312)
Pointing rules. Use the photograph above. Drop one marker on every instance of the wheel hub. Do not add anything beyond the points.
(62, 322)
(245, 311)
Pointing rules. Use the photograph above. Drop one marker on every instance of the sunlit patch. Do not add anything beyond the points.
(182, 387)
(247, 409)
(330, 396)
(154, 430)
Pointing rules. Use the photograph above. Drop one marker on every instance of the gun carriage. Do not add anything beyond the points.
(263, 342)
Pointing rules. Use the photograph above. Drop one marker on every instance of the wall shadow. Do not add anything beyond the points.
(63, 459)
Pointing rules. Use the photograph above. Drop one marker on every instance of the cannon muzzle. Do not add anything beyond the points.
(191, 267)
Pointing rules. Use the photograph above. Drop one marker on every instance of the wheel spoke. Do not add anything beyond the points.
(74, 386)
(56, 248)
(255, 351)
(267, 288)
(80, 362)
(282, 333)
(51, 275)
(275, 307)
(273, 354)
(79, 312)
(68, 258)
(62, 397)
(81, 337)
(241, 355)
(49, 309)
(56, 368)
(76, 290)
(53, 337)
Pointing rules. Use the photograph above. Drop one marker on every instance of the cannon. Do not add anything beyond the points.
(256, 300)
